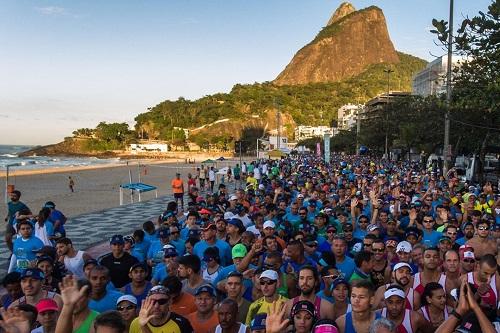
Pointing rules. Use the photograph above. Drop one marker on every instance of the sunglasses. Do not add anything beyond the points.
(161, 301)
(311, 244)
(123, 308)
(174, 232)
(451, 233)
(366, 245)
(363, 221)
(469, 261)
(331, 231)
(378, 250)
(268, 283)
(428, 221)
(482, 228)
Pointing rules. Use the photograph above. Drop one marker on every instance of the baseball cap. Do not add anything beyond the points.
(163, 233)
(138, 265)
(204, 211)
(208, 225)
(404, 246)
(47, 251)
(195, 233)
(159, 290)
(228, 215)
(46, 304)
(401, 265)
(44, 258)
(394, 292)
(258, 322)
(233, 197)
(169, 251)
(372, 227)
(237, 223)
(117, 239)
(128, 298)
(325, 326)
(239, 251)
(90, 262)
(469, 255)
(444, 239)
(339, 281)
(34, 273)
(49, 204)
(303, 306)
(206, 288)
(269, 224)
(269, 274)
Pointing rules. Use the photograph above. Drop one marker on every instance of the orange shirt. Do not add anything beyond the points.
(206, 326)
(183, 305)
(177, 185)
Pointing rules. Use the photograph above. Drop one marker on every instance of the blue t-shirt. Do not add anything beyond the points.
(156, 252)
(56, 215)
(140, 250)
(179, 246)
(128, 291)
(224, 251)
(160, 272)
(108, 302)
(24, 249)
(347, 267)
(431, 239)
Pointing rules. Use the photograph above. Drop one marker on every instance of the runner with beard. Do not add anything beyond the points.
(379, 263)
(308, 282)
(401, 275)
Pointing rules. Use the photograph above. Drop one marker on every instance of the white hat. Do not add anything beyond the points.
(228, 215)
(270, 274)
(404, 246)
(469, 255)
(300, 195)
(372, 227)
(129, 298)
(261, 187)
(233, 197)
(401, 265)
(394, 292)
(269, 224)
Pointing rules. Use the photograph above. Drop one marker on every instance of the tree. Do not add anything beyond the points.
(112, 131)
(474, 110)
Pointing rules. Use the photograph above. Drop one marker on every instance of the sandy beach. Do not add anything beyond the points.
(96, 187)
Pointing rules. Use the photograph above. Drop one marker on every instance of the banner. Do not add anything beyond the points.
(318, 149)
(326, 139)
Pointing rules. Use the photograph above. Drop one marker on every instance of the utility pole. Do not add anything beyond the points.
(388, 71)
(278, 129)
(358, 127)
(446, 146)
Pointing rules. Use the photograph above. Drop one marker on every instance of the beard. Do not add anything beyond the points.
(306, 291)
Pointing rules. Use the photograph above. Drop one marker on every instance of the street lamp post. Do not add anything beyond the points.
(446, 145)
(388, 71)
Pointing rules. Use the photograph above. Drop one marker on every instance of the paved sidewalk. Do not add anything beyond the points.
(91, 231)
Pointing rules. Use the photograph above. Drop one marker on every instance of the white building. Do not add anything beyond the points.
(432, 79)
(307, 132)
(347, 115)
(148, 147)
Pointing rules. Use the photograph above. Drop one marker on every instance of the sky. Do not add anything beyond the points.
(71, 64)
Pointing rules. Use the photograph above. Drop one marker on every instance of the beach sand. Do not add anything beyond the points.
(96, 188)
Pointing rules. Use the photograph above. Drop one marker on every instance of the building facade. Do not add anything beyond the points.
(307, 132)
(347, 116)
(432, 79)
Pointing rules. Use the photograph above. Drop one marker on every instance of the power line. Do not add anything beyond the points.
(477, 126)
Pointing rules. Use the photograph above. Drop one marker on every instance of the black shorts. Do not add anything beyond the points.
(178, 195)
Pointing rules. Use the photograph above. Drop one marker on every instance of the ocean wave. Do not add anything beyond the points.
(9, 155)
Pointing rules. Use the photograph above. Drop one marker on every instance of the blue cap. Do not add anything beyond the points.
(259, 322)
(163, 233)
(206, 288)
(117, 239)
(338, 281)
(33, 273)
(195, 233)
(170, 251)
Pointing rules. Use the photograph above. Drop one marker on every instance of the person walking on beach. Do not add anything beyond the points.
(178, 189)
(71, 184)
(211, 178)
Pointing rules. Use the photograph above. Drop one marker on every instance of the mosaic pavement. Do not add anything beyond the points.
(88, 230)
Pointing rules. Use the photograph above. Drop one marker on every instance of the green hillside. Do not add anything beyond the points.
(311, 104)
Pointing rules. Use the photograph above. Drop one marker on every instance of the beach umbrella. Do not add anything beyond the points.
(221, 158)
(208, 161)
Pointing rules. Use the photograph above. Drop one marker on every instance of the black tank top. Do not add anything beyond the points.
(378, 277)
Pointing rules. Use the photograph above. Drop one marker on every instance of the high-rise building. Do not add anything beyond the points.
(347, 115)
(432, 79)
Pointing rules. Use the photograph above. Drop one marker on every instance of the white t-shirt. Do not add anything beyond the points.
(41, 232)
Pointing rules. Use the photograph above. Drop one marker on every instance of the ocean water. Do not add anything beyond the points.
(9, 156)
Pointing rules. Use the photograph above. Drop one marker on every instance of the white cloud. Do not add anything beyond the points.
(52, 11)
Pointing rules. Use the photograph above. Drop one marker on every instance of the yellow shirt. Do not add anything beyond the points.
(175, 324)
(261, 306)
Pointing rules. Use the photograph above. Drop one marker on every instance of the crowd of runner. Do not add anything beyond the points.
(290, 245)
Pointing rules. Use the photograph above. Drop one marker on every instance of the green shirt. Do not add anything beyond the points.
(88, 322)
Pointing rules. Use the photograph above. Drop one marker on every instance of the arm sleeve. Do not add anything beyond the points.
(12, 264)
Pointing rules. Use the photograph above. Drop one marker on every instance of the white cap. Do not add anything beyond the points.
(129, 298)
(269, 224)
(233, 197)
(300, 195)
(357, 247)
(261, 187)
(372, 227)
(404, 246)
(401, 265)
(469, 255)
(394, 292)
(269, 274)
(228, 215)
